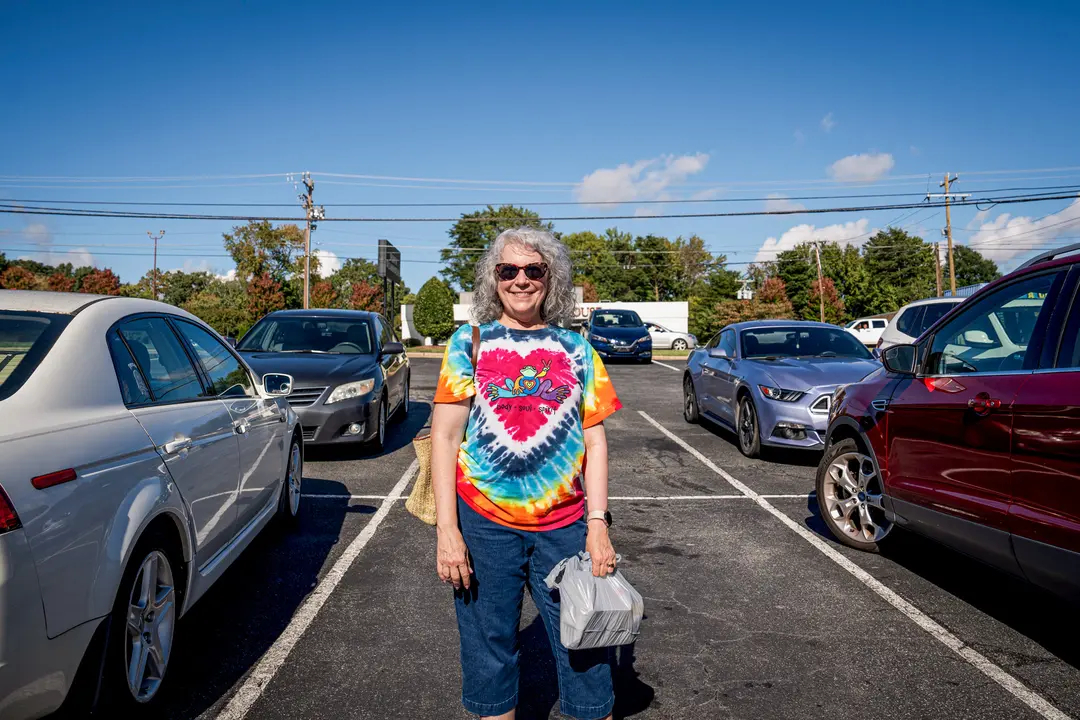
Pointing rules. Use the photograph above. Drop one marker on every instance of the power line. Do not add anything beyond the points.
(9, 208)
(1075, 187)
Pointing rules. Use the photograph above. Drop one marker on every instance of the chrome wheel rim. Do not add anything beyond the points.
(151, 624)
(746, 425)
(688, 399)
(853, 498)
(678, 345)
(295, 478)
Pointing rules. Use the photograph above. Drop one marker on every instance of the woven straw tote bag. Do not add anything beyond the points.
(421, 501)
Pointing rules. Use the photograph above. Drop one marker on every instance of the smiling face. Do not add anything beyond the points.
(521, 297)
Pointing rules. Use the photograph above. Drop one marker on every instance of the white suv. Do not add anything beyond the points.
(867, 329)
(913, 319)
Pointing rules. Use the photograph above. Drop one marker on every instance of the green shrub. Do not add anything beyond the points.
(434, 311)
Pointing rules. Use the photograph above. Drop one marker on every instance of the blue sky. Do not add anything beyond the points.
(617, 101)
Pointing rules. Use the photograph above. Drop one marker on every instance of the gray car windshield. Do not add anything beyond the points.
(616, 319)
(299, 334)
(779, 342)
(25, 338)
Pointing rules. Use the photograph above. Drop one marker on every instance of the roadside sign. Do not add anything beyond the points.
(389, 262)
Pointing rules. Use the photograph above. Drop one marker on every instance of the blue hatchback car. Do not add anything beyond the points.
(619, 334)
(772, 381)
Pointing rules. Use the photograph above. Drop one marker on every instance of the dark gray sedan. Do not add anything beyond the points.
(351, 373)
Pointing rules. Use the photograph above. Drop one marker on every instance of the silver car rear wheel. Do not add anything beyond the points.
(295, 479)
(850, 497)
(678, 344)
(150, 626)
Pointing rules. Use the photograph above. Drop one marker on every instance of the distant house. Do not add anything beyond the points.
(746, 292)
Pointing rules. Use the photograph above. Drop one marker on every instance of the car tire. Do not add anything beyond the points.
(289, 500)
(378, 440)
(679, 344)
(143, 629)
(747, 431)
(849, 497)
(691, 413)
(403, 407)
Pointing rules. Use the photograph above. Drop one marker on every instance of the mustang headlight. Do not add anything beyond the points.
(351, 390)
(780, 394)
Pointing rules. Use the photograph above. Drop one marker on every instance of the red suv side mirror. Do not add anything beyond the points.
(899, 359)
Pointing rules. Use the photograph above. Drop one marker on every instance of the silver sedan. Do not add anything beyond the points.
(663, 337)
(139, 456)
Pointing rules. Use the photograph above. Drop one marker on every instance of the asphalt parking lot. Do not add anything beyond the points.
(751, 611)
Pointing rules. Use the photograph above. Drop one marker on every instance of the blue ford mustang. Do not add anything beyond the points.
(772, 381)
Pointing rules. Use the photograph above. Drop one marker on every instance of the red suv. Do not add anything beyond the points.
(971, 435)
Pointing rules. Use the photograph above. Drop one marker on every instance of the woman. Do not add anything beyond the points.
(509, 442)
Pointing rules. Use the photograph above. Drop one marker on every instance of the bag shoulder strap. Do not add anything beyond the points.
(475, 345)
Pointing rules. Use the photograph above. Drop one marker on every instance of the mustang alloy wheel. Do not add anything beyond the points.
(747, 428)
(849, 494)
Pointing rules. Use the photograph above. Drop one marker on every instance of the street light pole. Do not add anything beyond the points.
(153, 280)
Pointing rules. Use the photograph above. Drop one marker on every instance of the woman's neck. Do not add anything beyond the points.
(521, 324)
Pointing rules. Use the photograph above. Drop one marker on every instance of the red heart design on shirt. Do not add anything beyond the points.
(499, 372)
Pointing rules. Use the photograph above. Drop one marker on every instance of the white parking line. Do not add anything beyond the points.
(671, 367)
(803, 496)
(275, 657)
(1027, 696)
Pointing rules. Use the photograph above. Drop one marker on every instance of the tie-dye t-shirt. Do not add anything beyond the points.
(536, 391)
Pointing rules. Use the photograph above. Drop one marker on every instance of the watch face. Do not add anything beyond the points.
(607, 518)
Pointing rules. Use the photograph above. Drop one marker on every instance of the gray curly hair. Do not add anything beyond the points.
(560, 301)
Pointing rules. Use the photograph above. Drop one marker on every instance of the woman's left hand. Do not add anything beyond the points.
(598, 545)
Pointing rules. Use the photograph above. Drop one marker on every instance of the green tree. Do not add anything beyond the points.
(259, 248)
(900, 263)
(365, 296)
(971, 267)
(17, 278)
(434, 312)
(691, 265)
(798, 269)
(176, 287)
(656, 266)
(834, 306)
(473, 233)
(323, 295)
(35, 267)
(221, 306)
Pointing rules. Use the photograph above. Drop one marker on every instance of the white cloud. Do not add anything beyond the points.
(40, 235)
(229, 275)
(647, 211)
(852, 233)
(644, 180)
(329, 263)
(1006, 238)
(865, 167)
(800, 137)
(827, 123)
(709, 194)
(779, 203)
(915, 150)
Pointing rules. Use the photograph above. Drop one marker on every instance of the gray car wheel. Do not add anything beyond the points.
(679, 344)
(690, 406)
(378, 441)
(292, 489)
(850, 497)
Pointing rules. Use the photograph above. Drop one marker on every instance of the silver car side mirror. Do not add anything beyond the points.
(277, 384)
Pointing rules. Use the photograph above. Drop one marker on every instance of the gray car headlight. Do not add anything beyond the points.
(348, 391)
(780, 394)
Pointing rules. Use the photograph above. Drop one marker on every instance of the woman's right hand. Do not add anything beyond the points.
(452, 559)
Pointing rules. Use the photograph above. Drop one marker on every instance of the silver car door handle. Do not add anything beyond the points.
(174, 446)
(241, 428)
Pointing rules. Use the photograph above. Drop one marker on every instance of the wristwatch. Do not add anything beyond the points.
(601, 515)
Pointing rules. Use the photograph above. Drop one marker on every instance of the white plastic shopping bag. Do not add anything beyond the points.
(595, 611)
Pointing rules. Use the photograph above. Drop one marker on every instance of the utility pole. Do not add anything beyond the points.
(937, 266)
(949, 178)
(820, 282)
(315, 213)
(153, 281)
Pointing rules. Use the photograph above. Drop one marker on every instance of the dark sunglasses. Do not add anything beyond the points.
(509, 271)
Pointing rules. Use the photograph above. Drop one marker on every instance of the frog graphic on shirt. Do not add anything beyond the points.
(529, 382)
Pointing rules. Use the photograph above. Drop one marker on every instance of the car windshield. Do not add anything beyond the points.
(25, 338)
(616, 319)
(309, 334)
(778, 342)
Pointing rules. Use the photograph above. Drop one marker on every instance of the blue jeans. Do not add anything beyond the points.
(488, 614)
